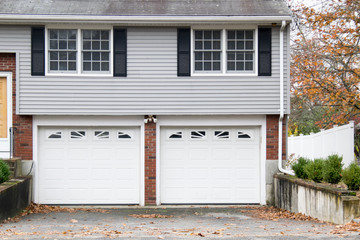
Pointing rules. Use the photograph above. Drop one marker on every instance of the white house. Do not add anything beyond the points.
(146, 102)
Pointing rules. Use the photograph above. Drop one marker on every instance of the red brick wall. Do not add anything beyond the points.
(23, 134)
(272, 137)
(150, 163)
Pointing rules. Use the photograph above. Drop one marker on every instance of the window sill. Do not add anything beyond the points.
(224, 75)
(78, 75)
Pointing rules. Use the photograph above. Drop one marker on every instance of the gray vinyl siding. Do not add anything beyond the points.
(152, 52)
(151, 87)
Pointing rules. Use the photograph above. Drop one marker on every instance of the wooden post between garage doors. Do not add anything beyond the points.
(150, 160)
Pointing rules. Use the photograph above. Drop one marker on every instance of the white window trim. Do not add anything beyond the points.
(79, 71)
(223, 52)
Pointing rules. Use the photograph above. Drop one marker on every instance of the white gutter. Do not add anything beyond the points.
(281, 117)
(28, 18)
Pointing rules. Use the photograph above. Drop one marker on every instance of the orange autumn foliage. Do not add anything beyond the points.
(325, 67)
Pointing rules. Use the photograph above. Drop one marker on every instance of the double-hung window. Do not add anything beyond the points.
(62, 50)
(79, 51)
(207, 50)
(95, 50)
(240, 51)
(225, 51)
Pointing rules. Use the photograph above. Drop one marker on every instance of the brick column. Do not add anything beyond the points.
(272, 137)
(150, 163)
(23, 143)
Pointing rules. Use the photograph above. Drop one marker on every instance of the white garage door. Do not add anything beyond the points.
(210, 165)
(89, 165)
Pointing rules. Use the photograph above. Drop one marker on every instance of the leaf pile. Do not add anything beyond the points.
(34, 208)
(273, 213)
(350, 227)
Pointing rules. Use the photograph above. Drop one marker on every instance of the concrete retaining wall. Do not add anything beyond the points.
(14, 197)
(316, 200)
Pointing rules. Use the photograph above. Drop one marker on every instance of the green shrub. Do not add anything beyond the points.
(314, 170)
(4, 171)
(351, 176)
(332, 169)
(298, 167)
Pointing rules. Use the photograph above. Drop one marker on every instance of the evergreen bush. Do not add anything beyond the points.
(332, 169)
(314, 170)
(4, 171)
(299, 166)
(351, 176)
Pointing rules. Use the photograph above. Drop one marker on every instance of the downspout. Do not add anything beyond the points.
(281, 117)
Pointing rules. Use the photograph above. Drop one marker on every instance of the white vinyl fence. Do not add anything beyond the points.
(337, 140)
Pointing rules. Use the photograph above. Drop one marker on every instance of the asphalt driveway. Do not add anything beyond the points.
(234, 222)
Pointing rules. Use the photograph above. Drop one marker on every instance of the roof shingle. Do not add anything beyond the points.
(146, 7)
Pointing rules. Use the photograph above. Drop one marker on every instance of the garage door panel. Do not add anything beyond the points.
(222, 166)
(77, 193)
(53, 154)
(125, 174)
(222, 183)
(78, 155)
(222, 154)
(89, 169)
(77, 174)
(247, 173)
(224, 173)
(53, 194)
(222, 194)
(76, 184)
(101, 153)
(102, 174)
(126, 195)
(198, 154)
(126, 153)
(54, 174)
(103, 164)
(196, 173)
(53, 164)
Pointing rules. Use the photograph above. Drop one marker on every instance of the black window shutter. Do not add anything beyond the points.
(184, 52)
(120, 52)
(264, 63)
(38, 51)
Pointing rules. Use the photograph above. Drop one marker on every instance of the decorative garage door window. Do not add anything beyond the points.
(102, 134)
(55, 135)
(243, 135)
(198, 134)
(176, 135)
(124, 135)
(221, 134)
(77, 134)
